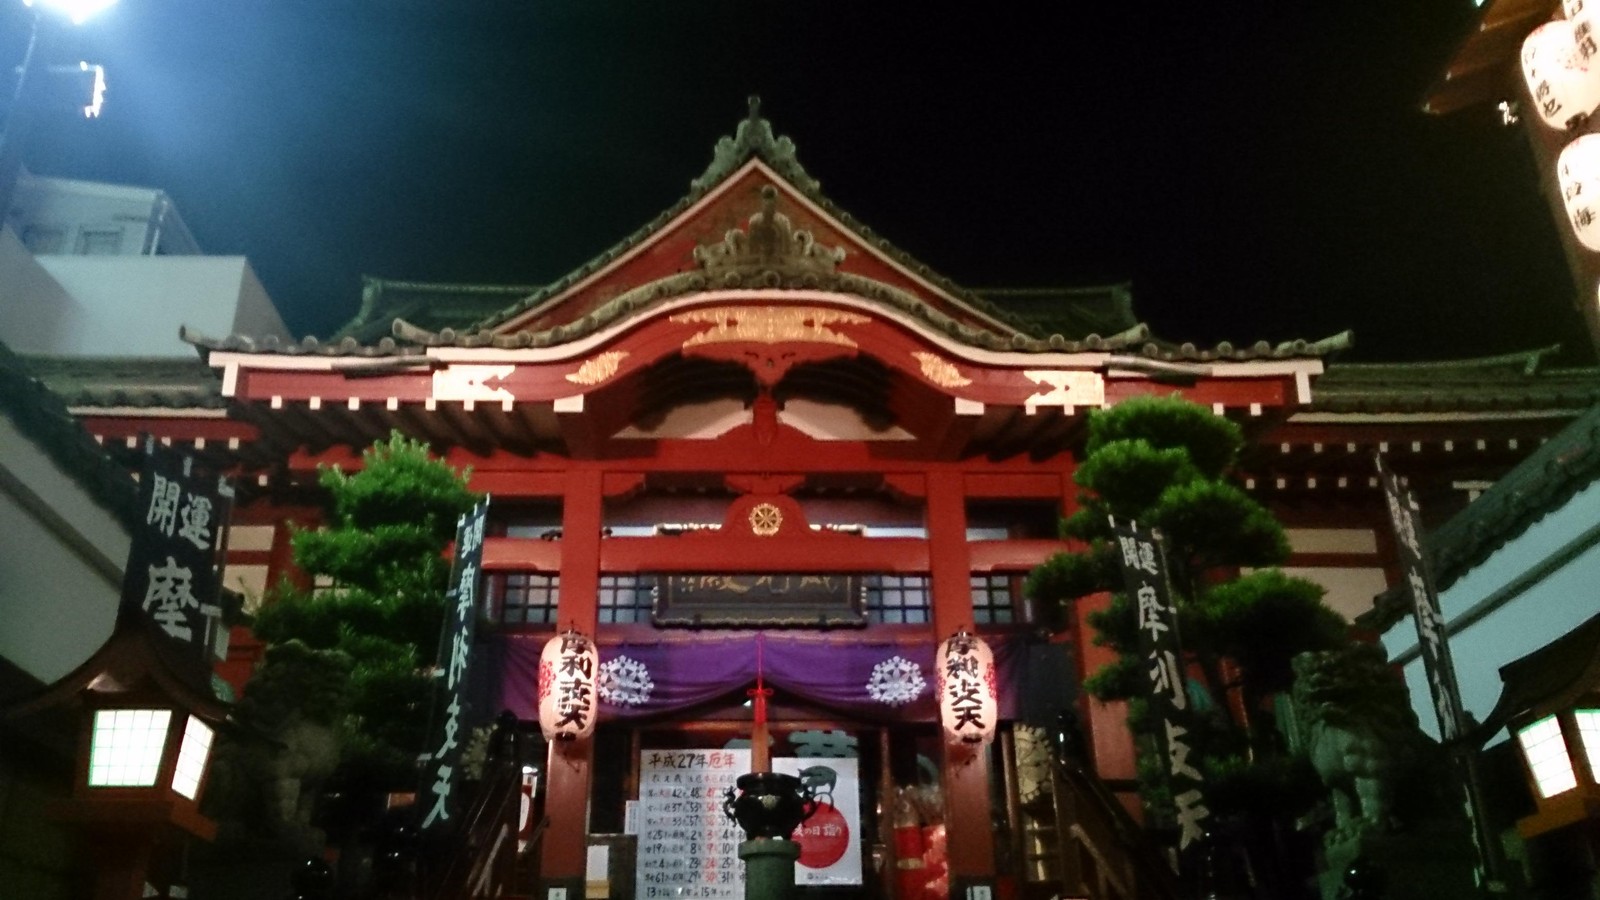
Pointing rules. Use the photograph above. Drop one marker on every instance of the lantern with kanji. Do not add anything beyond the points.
(1583, 16)
(1560, 81)
(567, 700)
(1578, 173)
(968, 698)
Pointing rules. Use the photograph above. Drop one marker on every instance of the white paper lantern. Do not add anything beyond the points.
(1559, 79)
(968, 702)
(567, 701)
(1581, 13)
(1578, 173)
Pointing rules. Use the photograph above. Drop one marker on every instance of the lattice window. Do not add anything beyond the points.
(994, 598)
(899, 600)
(626, 598)
(524, 598)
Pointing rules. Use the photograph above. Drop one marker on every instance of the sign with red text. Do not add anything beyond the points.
(688, 848)
(830, 841)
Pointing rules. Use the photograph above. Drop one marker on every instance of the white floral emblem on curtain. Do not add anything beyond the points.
(896, 681)
(624, 681)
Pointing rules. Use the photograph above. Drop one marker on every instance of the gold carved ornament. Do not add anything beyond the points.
(765, 519)
(598, 368)
(769, 325)
(940, 371)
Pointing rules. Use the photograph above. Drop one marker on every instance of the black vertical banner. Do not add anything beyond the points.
(443, 762)
(1433, 645)
(1144, 572)
(1431, 639)
(172, 575)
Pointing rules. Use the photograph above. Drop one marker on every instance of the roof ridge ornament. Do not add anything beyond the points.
(754, 137)
(770, 248)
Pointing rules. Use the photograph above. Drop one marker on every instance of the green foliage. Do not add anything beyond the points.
(1264, 619)
(1211, 442)
(399, 483)
(1213, 523)
(1165, 462)
(1129, 476)
(383, 548)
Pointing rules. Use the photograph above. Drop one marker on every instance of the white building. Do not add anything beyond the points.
(89, 269)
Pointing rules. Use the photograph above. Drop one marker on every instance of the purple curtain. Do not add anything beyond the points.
(874, 679)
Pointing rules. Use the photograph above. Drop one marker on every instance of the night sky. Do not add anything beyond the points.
(1257, 170)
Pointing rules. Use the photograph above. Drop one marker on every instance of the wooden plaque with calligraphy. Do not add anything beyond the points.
(760, 601)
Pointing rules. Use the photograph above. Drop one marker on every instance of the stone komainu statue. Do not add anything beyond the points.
(1358, 730)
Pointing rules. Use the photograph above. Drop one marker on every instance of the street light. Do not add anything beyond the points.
(19, 118)
(79, 11)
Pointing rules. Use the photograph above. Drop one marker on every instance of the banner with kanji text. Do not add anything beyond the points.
(172, 574)
(1144, 573)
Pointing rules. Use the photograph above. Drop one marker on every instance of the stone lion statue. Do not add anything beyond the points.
(1357, 728)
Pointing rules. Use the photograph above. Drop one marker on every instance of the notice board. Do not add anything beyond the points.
(688, 849)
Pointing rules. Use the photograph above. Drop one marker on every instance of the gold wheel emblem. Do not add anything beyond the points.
(765, 519)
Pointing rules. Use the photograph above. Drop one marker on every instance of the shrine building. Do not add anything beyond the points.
(756, 440)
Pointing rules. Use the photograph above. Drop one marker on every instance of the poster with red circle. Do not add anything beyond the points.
(830, 841)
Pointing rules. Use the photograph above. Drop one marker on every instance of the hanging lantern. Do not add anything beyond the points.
(567, 701)
(1559, 79)
(1578, 173)
(968, 704)
(1582, 16)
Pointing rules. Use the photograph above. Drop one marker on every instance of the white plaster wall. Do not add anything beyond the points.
(1554, 606)
(133, 306)
(57, 605)
(256, 315)
(35, 311)
(75, 206)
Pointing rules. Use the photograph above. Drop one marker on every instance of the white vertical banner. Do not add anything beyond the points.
(830, 841)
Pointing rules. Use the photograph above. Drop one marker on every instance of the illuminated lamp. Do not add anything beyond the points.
(968, 705)
(568, 704)
(1578, 174)
(147, 720)
(1550, 703)
(79, 11)
(1563, 88)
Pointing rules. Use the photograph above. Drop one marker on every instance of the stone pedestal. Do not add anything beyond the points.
(769, 806)
(1422, 866)
(768, 867)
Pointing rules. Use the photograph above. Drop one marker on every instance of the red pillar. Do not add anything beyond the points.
(1106, 723)
(569, 769)
(965, 773)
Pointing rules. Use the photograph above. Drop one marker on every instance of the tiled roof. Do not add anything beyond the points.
(163, 383)
(1563, 466)
(754, 139)
(431, 305)
(1071, 311)
(43, 417)
(1556, 671)
(1517, 381)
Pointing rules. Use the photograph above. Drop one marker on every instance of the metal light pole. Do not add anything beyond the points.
(19, 121)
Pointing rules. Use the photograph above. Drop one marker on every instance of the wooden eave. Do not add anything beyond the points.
(1478, 71)
(571, 398)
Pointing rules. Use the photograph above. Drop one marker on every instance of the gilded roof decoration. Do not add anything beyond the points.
(940, 371)
(769, 325)
(599, 368)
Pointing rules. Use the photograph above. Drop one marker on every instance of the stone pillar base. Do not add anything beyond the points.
(768, 867)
